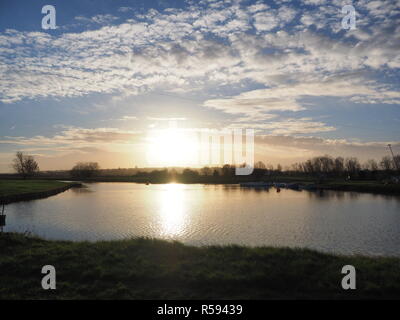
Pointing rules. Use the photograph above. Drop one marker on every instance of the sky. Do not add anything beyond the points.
(114, 75)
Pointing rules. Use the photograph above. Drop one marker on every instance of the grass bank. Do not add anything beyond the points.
(155, 269)
(21, 190)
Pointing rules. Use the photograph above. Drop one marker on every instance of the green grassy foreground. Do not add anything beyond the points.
(23, 190)
(155, 269)
(12, 187)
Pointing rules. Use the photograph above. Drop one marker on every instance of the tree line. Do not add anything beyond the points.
(27, 166)
(339, 165)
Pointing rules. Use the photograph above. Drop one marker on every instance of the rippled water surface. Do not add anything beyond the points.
(340, 222)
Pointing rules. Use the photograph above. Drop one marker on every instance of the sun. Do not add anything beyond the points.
(172, 147)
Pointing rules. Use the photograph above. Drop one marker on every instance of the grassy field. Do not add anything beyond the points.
(155, 269)
(13, 187)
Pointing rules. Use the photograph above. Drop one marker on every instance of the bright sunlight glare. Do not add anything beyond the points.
(172, 147)
(172, 209)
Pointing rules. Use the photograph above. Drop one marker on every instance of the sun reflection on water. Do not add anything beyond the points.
(172, 210)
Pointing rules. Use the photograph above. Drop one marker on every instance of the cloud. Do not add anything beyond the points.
(291, 126)
(174, 49)
(285, 97)
(257, 60)
(126, 118)
(109, 146)
(165, 119)
(98, 19)
(125, 9)
(73, 136)
(314, 2)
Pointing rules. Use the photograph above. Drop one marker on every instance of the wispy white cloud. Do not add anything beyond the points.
(98, 19)
(125, 9)
(285, 97)
(211, 44)
(295, 126)
(172, 49)
(72, 136)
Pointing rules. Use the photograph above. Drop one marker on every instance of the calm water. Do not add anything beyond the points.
(341, 222)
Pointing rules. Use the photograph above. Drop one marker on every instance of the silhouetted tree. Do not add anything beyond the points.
(227, 170)
(206, 171)
(371, 165)
(259, 170)
(85, 170)
(189, 175)
(352, 165)
(172, 174)
(387, 163)
(259, 165)
(396, 161)
(339, 165)
(158, 175)
(25, 165)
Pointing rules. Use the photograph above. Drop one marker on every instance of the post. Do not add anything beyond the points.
(2, 219)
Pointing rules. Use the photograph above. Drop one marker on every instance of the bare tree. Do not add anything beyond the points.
(387, 163)
(339, 165)
(371, 165)
(296, 167)
(352, 165)
(396, 160)
(25, 165)
(85, 169)
(227, 170)
(259, 165)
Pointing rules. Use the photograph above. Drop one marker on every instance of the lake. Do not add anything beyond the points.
(331, 221)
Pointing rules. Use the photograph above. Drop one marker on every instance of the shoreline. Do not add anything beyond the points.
(7, 199)
(144, 268)
(353, 186)
(369, 186)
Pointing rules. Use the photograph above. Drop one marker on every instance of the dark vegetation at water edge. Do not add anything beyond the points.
(22, 190)
(156, 269)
